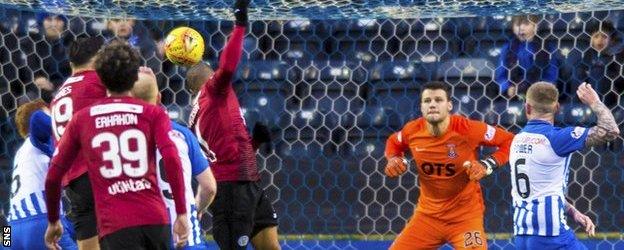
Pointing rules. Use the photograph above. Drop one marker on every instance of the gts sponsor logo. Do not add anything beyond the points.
(438, 169)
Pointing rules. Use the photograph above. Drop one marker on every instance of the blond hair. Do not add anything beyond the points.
(543, 97)
(22, 116)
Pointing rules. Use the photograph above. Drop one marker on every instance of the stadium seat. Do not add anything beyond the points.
(382, 117)
(486, 44)
(331, 86)
(297, 48)
(261, 88)
(578, 115)
(467, 71)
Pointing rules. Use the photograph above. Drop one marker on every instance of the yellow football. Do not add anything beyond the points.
(184, 46)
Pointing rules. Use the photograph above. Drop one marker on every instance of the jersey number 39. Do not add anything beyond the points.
(120, 155)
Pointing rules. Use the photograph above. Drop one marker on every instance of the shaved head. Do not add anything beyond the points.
(197, 75)
(146, 88)
(543, 97)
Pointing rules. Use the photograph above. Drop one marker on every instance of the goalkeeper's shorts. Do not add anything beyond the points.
(427, 232)
(241, 210)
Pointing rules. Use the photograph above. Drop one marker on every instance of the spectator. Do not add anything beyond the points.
(46, 51)
(599, 65)
(136, 35)
(525, 59)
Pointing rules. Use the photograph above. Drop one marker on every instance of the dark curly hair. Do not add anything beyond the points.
(117, 65)
(83, 49)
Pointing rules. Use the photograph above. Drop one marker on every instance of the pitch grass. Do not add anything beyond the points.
(384, 237)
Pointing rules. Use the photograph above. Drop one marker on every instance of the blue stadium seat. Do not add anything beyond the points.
(485, 44)
(361, 50)
(296, 48)
(396, 85)
(467, 71)
(261, 88)
(353, 28)
(382, 117)
(578, 115)
(331, 86)
(251, 50)
(369, 147)
(509, 113)
(426, 50)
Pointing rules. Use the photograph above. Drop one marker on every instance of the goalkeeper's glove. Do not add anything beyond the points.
(240, 12)
(396, 166)
(479, 169)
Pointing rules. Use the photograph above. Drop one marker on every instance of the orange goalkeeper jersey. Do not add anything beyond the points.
(445, 190)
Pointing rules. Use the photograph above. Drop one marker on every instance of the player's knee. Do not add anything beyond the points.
(266, 239)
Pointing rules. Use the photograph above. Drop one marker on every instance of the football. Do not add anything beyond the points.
(184, 46)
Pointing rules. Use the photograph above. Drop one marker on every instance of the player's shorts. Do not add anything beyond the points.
(426, 232)
(240, 210)
(82, 211)
(565, 240)
(28, 233)
(154, 237)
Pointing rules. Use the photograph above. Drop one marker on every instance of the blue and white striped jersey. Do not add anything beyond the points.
(539, 160)
(30, 167)
(193, 163)
(28, 183)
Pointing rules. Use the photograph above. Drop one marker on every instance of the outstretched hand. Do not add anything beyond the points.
(587, 94)
(240, 12)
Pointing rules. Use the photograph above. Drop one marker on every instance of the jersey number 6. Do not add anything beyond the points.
(522, 176)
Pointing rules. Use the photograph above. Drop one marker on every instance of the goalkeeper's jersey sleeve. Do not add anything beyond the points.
(445, 190)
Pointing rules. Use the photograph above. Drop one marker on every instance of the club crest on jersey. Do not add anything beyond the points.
(451, 151)
(577, 132)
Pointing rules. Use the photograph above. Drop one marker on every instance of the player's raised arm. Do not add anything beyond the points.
(233, 49)
(488, 135)
(395, 148)
(606, 128)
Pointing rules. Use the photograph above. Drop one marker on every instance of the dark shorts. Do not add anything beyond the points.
(82, 211)
(240, 210)
(141, 237)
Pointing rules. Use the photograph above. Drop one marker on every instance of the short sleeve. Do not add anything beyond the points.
(567, 140)
(40, 125)
(162, 129)
(199, 163)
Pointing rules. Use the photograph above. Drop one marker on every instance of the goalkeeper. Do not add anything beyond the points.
(450, 207)
(242, 212)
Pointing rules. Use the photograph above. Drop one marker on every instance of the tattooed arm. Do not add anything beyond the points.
(606, 128)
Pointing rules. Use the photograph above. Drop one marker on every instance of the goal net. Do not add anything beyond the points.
(332, 79)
